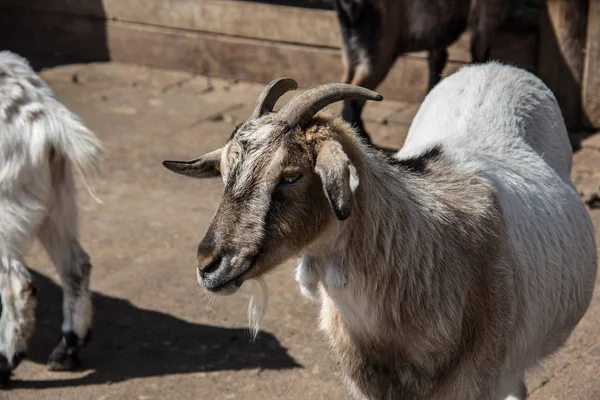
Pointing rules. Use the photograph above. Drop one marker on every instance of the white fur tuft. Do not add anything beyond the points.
(79, 145)
(353, 179)
(257, 306)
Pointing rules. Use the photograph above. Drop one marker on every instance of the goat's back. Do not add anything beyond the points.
(32, 122)
(493, 108)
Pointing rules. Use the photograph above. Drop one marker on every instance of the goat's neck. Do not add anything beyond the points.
(389, 225)
(404, 229)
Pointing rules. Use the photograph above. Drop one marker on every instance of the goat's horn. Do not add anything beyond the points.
(300, 110)
(270, 94)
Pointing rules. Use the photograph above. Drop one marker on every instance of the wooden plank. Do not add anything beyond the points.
(253, 60)
(320, 4)
(560, 60)
(202, 53)
(228, 17)
(234, 18)
(53, 33)
(255, 20)
(211, 54)
(591, 74)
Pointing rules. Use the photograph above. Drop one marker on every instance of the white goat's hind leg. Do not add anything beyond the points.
(74, 269)
(18, 314)
(59, 236)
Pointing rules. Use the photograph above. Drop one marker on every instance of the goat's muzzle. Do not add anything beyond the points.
(220, 272)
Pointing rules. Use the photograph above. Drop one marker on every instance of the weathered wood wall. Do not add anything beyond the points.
(262, 39)
(241, 39)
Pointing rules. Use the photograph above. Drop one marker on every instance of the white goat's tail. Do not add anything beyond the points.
(77, 143)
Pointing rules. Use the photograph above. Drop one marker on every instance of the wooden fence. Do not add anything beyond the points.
(260, 40)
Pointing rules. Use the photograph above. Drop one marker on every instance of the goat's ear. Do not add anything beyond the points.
(201, 167)
(338, 176)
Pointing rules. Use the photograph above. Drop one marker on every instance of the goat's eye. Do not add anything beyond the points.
(289, 179)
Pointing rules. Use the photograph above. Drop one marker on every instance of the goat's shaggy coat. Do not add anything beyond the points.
(444, 272)
(40, 142)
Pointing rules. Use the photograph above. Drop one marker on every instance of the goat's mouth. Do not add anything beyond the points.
(223, 287)
(227, 288)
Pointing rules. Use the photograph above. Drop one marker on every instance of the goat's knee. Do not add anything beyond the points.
(17, 322)
(77, 303)
(369, 74)
(348, 69)
(346, 75)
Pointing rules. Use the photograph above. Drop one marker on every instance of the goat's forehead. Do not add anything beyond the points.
(264, 135)
(263, 144)
(253, 162)
(262, 160)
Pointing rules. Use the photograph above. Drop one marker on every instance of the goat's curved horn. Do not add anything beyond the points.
(270, 94)
(300, 110)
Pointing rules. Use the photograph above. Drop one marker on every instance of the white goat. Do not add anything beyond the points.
(444, 272)
(40, 140)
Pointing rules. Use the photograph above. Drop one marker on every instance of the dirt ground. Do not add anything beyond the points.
(155, 334)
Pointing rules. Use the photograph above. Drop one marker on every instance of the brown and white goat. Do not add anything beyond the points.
(376, 32)
(443, 272)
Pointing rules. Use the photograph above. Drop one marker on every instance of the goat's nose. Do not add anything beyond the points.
(210, 265)
(209, 258)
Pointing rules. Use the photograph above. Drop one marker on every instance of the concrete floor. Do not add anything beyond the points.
(155, 335)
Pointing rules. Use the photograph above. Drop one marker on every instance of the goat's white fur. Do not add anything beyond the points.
(502, 125)
(257, 305)
(40, 141)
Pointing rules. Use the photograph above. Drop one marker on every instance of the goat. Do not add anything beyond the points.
(40, 142)
(443, 272)
(376, 32)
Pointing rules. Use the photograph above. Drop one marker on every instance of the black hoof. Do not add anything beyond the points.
(5, 371)
(4, 379)
(6, 367)
(65, 357)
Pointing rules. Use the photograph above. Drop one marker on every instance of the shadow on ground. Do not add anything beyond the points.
(130, 342)
(55, 33)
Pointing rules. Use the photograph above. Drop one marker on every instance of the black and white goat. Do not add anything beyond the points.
(40, 143)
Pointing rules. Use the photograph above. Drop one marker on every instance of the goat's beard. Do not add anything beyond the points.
(258, 305)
